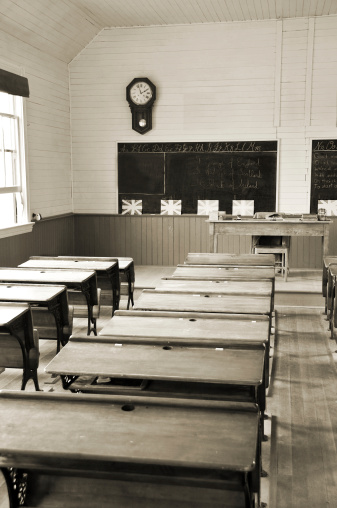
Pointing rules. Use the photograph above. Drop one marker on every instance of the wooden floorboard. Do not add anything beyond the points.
(302, 399)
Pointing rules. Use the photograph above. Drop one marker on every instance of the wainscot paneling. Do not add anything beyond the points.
(50, 237)
(165, 240)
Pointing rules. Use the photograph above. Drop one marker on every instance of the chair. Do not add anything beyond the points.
(277, 245)
(282, 250)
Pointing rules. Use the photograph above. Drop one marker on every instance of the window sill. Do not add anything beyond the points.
(18, 229)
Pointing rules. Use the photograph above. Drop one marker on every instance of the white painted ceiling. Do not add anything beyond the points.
(63, 27)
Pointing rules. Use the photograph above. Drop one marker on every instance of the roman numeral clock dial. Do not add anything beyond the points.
(141, 94)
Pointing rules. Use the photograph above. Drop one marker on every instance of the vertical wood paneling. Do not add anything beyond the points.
(50, 237)
(166, 240)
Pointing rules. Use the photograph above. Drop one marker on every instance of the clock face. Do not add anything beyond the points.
(141, 93)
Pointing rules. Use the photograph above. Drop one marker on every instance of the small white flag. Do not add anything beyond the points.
(243, 207)
(132, 206)
(170, 207)
(329, 205)
(206, 206)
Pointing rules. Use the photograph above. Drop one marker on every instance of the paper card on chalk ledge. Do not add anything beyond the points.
(329, 205)
(170, 207)
(132, 207)
(207, 206)
(243, 207)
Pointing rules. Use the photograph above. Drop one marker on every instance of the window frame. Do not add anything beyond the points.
(19, 114)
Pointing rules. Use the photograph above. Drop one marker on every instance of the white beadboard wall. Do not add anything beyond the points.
(222, 81)
(48, 124)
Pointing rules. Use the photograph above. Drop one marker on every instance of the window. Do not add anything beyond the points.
(13, 201)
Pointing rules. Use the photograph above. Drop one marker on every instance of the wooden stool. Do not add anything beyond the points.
(276, 249)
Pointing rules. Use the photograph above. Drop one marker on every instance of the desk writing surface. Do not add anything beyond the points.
(68, 264)
(10, 312)
(186, 328)
(51, 276)
(71, 278)
(214, 258)
(221, 366)
(239, 287)
(123, 262)
(204, 272)
(96, 428)
(29, 292)
(237, 304)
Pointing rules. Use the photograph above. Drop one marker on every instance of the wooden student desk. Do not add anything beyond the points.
(106, 269)
(265, 227)
(16, 320)
(162, 371)
(52, 298)
(221, 272)
(91, 450)
(214, 258)
(126, 273)
(159, 300)
(190, 329)
(230, 287)
(80, 280)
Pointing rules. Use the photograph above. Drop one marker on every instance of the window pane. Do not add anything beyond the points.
(7, 210)
(9, 133)
(6, 103)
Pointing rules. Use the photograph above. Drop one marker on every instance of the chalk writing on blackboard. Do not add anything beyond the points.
(200, 170)
(323, 172)
(210, 147)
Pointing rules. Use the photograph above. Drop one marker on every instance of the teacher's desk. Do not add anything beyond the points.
(267, 227)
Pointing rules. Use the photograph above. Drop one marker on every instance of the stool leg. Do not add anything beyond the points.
(286, 262)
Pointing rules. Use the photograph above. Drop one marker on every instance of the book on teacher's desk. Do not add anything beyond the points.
(309, 216)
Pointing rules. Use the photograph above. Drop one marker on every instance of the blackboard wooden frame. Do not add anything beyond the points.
(192, 171)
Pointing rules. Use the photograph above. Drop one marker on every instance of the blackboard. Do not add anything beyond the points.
(323, 172)
(191, 171)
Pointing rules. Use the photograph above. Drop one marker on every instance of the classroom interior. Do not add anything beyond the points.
(226, 74)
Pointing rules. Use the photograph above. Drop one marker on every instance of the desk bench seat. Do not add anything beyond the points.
(44, 322)
(52, 491)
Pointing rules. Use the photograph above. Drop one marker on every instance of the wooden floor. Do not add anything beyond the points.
(300, 456)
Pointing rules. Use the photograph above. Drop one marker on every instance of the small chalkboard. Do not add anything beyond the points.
(323, 172)
(223, 171)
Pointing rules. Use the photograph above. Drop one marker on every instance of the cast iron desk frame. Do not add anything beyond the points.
(16, 320)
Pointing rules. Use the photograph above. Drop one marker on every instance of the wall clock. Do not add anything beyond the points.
(141, 94)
